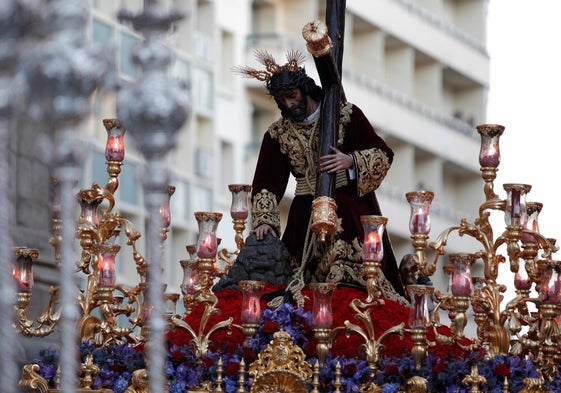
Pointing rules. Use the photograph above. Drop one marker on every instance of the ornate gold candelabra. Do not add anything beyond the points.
(199, 289)
(522, 242)
(104, 304)
(110, 313)
(200, 273)
(513, 327)
(372, 254)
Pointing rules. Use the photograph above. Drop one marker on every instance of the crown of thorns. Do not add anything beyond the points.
(294, 60)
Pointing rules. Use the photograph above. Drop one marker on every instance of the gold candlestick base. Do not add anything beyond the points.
(323, 346)
(249, 329)
(420, 345)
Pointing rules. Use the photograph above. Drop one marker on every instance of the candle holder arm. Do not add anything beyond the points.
(372, 346)
(133, 235)
(427, 268)
(88, 235)
(32, 381)
(493, 203)
(229, 258)
(439, 245)
(517, 315)
(201, 340)
(111, 312)
(456, 307)
(544, 243)
(45, 322)
(489, 256)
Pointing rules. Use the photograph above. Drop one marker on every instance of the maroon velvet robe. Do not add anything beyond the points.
(291, 148)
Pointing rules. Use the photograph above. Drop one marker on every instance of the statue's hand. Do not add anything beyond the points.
(335, 162)
(263, 230)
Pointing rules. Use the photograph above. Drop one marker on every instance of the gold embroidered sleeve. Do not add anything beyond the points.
(372, 165)
(265, 210)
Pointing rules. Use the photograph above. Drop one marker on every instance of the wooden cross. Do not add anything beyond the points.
(325, 43)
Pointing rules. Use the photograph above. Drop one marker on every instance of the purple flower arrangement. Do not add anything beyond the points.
(116, 364)
(185, 371)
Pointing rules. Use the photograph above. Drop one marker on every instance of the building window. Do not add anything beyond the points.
(227, 172)
(203, 94)
(180, 71)
(180, 202)
(102, 33)
(129, 183)
(227, 60)
(201, 198)
(99, 171)
(127, 67)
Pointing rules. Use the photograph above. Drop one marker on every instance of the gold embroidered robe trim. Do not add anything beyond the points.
(298, 141)
(372, 165)
(265, 210)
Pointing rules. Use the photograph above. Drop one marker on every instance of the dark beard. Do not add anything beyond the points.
(297, 113)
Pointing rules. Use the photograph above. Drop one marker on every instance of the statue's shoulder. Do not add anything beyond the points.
(277, 127)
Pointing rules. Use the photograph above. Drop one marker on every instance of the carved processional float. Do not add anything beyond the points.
(139, 319)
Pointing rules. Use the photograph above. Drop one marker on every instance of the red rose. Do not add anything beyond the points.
(391, 369)
(502, 370)
(270, 327)
(350, 369)
(232, 369)
(438, 368)
(248, 355)
(207, 362)
(177, 355)
(179, 337)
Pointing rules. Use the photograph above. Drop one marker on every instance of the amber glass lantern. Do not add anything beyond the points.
(322, 314)
(89, 205)
(419, 313)
(515, 209)
(251, 306)
(115, 146)
(489, 153)
(251, 301)
(106, 254)
(533, 210)
(207, 242)
(239, 209)
(372, 245)
(522, 281)
(170, 305)
(22, 270)
(165, 211)
(419, 219)
(461, 276)
(190, 281)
